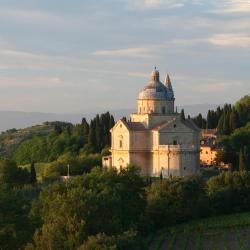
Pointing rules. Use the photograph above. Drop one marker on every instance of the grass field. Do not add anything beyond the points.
(231, 232)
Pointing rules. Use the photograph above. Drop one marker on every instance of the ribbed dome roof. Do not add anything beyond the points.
(155, 89)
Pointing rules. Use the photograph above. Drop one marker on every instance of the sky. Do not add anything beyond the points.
(93, 55)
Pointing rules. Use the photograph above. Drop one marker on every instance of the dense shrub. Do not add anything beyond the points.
(13, 175)
(77, 165)
(101, 201)
(230, 192)
(175, 200)
(125, 241)
(15, 228)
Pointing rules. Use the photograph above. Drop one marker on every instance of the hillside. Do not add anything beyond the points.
(11, 139)
(230, 232)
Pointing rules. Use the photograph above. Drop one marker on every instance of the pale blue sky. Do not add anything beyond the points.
(92, 55)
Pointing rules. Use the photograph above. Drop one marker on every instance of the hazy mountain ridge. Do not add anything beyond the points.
(18, 119)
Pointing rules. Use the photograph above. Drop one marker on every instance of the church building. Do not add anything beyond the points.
(156, 138)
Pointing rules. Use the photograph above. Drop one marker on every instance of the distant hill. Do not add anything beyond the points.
(17, 119)
(10, 139)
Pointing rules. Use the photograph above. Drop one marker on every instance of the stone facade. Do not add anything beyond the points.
(156, 138)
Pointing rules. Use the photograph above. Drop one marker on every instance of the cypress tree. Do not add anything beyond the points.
(161, 176)
(111, 122)
(234, 120)
(220, 128)
(242, 161)
(247, 157)
(92, 136)
(85, 127)
(204, 123)
(209, 120)
(183, 114)
(33, 178)
(226, 127)
(198, 120)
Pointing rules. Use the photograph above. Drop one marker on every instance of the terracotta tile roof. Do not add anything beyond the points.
(164, 124)
(136, 126)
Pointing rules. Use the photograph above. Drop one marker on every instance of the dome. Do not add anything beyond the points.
(155, 89)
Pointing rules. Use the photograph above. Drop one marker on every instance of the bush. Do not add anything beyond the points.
(101, 201)
(15, 228)
(175, 200)
(11, 174)
(127, 240)
(230, 192)
(77, 165)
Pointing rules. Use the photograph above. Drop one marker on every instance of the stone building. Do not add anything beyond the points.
(208, 147)
(156, 138)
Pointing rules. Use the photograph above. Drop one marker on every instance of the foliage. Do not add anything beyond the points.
(199, 121)
(11, 139)
(226, 119)
(66, 138)
(205, 231)
(77, 165)
(33, 179)
(127, 240)
(15, 228)
(175, 200)
(183, 114)
(11, 174)
(233, 144)
(101, 201)
(229, 192)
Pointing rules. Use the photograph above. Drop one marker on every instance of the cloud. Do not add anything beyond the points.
(219, 40)
(47, 19)
(153, 4)
(29, 15)
(218, 86)
(231, 7)
(44, 82)
(129, 52)
(230, 40)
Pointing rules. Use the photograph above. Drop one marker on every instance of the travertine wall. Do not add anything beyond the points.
(153, 150)
(155, 106)
(140, 140)
(143, 160)
(120, 145)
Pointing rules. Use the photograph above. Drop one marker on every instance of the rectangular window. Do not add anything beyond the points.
(163, 110)
(120, 143)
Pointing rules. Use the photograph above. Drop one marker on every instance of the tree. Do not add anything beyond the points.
(199, 121)
(183, 114)
(226, 124)
(175, 200)
(220, 128)
(11, 174)
(229, 192)
(127, 240)
(243, 160)
(209, 120)
(85, 127)
(15, 228)
(33, 179)
(234, 120)
(101, 201)
(92, 136)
